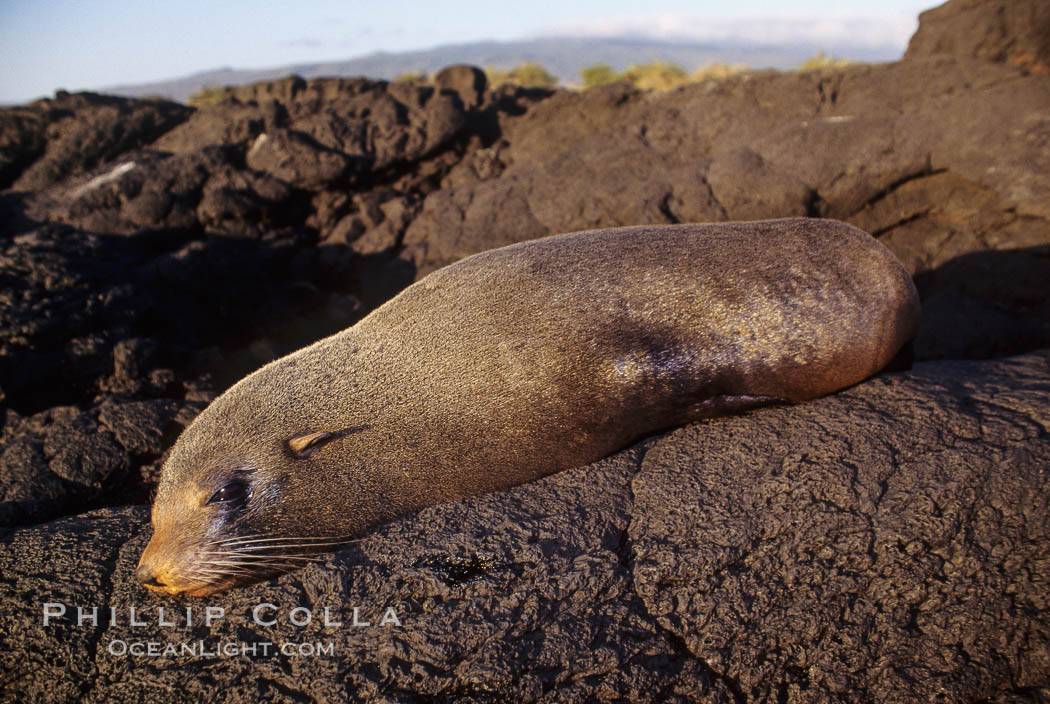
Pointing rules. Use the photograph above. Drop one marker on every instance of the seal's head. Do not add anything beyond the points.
(235, 494)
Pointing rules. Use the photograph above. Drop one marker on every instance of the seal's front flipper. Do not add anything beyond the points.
(728, 404)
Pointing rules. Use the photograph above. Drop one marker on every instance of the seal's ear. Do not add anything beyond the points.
(306, 445)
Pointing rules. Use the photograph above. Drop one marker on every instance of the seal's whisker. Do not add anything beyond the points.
(226, 571)
(287, 546)
(220, 565)
(266, 559)
(258, 559)
(218, 573)
(220, 541)
(213, 576)
(218, 560)
(282, 539)
(256, 554)
(252, 549)
(246, 540)
(319, 539)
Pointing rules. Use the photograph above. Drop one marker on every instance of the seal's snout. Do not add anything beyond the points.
(147, 577)
(146, 572)
(162, 570)
(152, 570)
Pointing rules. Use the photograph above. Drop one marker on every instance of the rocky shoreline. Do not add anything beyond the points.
(889, 543)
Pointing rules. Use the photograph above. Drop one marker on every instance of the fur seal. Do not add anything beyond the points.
(513, 364)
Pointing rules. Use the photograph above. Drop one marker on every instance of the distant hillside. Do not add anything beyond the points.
(563, 56)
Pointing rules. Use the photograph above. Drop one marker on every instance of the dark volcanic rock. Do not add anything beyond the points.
(53, 459)
(297, 160)
(72, 133)
(374, 123)
(861, 544)
(882, 146)
(21, 141)
(72, 680)
(1015, 32)
(885, 544)
(139, 425)
(172, 199)
(468, 82)
(971, 312)
(227, 123)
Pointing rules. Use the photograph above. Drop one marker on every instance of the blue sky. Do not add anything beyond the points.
(49, 44)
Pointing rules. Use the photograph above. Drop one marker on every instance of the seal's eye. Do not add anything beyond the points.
(236, 493)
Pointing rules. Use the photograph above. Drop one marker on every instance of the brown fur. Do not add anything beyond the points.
(527, 360)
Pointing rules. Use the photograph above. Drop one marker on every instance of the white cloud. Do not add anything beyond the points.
(829, 29)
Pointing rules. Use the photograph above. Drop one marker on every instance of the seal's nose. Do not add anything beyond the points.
(145, 575)
(147, 570)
